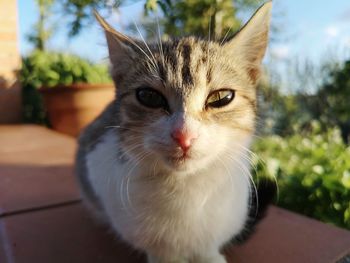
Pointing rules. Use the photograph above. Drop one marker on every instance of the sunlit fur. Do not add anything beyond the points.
(129, 167)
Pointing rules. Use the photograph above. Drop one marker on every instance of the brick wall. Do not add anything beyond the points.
(10, 92)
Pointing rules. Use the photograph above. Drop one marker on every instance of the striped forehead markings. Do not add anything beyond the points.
(183, 60)
(186, 74)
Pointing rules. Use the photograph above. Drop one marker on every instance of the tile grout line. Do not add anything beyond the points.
(35, 209)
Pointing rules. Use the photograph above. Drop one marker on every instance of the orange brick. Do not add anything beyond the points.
(9, 60)
(8, 27)
(8, 43)
(8, 36)
(9, 54)
(10, 65)
(8, 8)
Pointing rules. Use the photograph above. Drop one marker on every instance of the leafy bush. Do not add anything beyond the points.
(313, 173)
(43, 69)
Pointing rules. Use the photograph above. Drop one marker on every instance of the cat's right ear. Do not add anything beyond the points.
(249, 44)
(121, 53)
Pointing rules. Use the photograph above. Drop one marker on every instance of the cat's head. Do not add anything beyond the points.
(188, 103)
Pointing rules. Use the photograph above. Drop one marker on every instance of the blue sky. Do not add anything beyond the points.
(309, 29)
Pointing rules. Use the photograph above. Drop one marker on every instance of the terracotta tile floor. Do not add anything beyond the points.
(43, 221)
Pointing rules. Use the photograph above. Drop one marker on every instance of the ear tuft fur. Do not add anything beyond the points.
(249, 44)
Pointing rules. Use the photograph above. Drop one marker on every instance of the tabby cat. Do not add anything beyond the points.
(166, 165)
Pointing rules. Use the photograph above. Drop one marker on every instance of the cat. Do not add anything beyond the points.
(166, 164)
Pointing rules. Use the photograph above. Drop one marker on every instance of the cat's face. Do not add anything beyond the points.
(187, 104)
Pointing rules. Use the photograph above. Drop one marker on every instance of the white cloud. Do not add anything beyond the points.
(280, 51)
(332, 31)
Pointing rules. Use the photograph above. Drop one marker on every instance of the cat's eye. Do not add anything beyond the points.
(151, 98)
(220, 98)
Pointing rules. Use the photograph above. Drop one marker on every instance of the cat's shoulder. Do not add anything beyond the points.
(91, 136)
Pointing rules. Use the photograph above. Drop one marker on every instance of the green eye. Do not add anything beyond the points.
(151, 98)
(220, 98)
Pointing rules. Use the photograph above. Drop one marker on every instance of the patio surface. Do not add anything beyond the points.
(42, 219)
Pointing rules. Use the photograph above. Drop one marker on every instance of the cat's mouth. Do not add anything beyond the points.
(180, 159)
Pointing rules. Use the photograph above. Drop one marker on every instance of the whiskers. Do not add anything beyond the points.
(256, 160)
(253, 160)
(225, 37)
(135, 163)
(241, 157)
(135, 153)
(160, 44)
(241, 166)
(149, 56)
(123, 128)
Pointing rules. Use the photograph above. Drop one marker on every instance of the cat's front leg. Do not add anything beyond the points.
(214, 257)
(152, 259)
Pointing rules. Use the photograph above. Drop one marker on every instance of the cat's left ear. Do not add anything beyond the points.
(120, 49)
(249, 44)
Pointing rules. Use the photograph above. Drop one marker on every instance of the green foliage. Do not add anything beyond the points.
(332, 100)
(200, 17)
(312, 170)
(51, 69)
(279, 112)
(319, 92)
(81, 11)
(180, 17)
(41, 69)
(41, 31)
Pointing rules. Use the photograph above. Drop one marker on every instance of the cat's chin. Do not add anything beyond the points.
(183, 164)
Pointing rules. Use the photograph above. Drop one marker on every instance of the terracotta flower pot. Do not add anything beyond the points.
(71, 108)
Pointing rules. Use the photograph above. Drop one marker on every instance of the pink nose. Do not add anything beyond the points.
(184, 138)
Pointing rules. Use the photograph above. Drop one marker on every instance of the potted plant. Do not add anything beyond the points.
(74, 90)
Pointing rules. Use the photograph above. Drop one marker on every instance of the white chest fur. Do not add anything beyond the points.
(164, 214)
